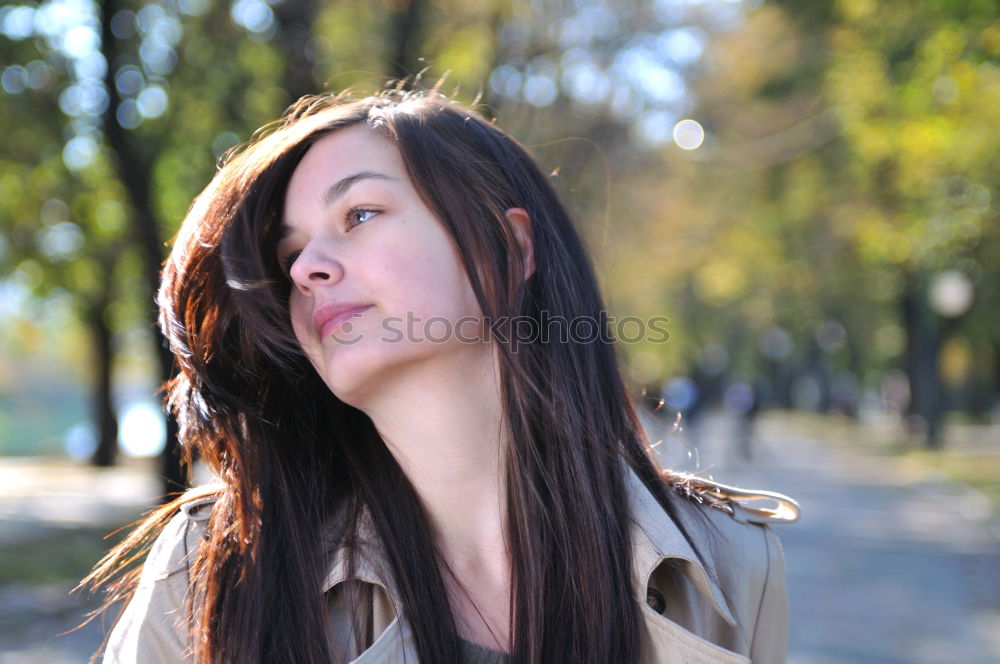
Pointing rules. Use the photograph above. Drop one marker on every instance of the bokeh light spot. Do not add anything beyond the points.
(688, 134)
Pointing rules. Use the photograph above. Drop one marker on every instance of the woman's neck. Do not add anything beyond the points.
(442, 422)
(444, 425)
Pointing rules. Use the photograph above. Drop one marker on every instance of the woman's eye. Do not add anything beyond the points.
(288, 261)
(357, 216)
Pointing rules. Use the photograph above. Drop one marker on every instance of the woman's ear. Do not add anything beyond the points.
(520, 221)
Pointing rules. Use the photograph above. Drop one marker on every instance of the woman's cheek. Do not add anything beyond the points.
(300, 324)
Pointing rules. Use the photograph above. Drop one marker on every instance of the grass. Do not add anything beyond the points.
(964, 458)
(976, 470)
(60, 556)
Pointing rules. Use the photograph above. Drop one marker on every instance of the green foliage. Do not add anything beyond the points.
(853, 146)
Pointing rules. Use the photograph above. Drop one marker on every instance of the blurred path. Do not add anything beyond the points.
(38, 495)
(53, 515)
(882, 568)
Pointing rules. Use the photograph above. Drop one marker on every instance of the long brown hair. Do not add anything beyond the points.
(290, 455)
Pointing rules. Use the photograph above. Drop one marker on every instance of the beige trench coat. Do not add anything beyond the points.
(732, 613)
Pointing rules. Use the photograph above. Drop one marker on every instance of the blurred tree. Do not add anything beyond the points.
(60, 224)
(845, 189)
(133, 163)
(111, 67)
(280, 74)
(915, 89)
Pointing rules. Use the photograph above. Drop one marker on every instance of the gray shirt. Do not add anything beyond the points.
(473, 653)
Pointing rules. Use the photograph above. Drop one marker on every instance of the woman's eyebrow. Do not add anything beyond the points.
(340, 187)
(336, 191)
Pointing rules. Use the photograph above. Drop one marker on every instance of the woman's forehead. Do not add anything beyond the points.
(338, 161)
(350, 148)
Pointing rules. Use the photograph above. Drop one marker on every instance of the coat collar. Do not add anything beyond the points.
(655, 539)
(371, 564)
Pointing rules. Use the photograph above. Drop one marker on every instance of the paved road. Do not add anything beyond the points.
(882, 568)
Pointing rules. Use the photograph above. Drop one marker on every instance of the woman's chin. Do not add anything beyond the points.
(355, 374)
(348, 381)
(359, 374)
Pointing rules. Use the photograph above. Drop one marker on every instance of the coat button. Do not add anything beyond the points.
(655, 600)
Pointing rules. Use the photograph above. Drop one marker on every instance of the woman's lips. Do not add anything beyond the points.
(329, 317)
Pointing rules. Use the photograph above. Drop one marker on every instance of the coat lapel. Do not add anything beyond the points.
(656, 538)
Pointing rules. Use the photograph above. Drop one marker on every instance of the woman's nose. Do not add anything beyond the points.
(315, 268)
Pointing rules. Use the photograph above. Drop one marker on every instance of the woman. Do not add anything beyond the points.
(409, 468)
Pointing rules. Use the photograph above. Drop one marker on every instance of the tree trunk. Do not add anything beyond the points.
(103, 409)
(817, 367)
(922, 350)
(294, 22)
(135, 172)
(994, 385)
(405, 33)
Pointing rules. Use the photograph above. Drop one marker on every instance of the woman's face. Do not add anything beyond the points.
(370, 264)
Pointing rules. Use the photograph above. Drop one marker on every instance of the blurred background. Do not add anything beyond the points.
(808, 191)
